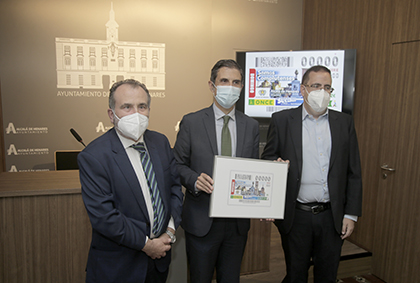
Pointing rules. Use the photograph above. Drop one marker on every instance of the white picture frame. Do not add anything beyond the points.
(248, 188)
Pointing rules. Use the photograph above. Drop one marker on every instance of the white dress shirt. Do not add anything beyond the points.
(316, 142)
(218, 117)
(316, 150)
(135, 160)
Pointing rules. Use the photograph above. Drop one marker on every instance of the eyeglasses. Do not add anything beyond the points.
(327, 88)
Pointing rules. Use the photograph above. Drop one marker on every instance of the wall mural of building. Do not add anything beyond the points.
(97, 64)
(85, 71)
(58, 61)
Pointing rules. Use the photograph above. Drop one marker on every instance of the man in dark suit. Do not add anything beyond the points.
(324, 185)
(132, 193)
(218, 130)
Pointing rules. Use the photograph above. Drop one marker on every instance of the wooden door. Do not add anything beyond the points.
(396, 249)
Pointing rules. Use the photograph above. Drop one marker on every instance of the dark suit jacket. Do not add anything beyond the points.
(115, 204)
(284, 139)
(194, 151)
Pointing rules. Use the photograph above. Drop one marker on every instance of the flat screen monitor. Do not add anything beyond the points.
(66, 159)
(272, 79)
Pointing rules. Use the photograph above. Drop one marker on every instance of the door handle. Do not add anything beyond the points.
(387, 168)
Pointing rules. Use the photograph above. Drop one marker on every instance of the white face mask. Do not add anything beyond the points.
(318, 100)
(227, 95)
(132, 126)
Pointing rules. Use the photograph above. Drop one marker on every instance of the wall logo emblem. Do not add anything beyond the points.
(10, 128)
(13, 168)
(12, 150)
(26, 151)
(25, 130)
(102, 128)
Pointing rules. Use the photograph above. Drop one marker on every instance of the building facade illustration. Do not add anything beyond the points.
(97, 64)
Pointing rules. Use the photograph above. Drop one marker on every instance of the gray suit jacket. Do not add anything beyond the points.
(284, 139)
(194, 152)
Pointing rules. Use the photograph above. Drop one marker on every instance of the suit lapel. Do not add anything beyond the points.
(335, 134)
(240, 133)
(122, 161)
(296, 134)
(210, 126)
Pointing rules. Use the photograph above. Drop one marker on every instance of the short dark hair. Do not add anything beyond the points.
(314, 69)
(134, 84)
(228, 63)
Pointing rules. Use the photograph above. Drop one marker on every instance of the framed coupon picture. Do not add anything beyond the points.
(248, 188)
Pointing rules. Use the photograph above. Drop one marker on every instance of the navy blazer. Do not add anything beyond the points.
(115, 204)
(284, 139)
(194, 151)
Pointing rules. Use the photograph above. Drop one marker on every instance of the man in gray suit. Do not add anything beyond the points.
(217, 130)
(324, 185)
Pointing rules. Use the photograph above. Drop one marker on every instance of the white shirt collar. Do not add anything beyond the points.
(128, 142)
(306, 114)
(218, 114)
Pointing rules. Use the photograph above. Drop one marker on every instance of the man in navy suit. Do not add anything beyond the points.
(220, 242)
(134, 211)
(324, 185)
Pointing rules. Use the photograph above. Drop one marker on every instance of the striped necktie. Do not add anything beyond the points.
(158, 208)
(226, 140)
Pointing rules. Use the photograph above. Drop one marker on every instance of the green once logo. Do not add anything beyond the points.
(264, 102)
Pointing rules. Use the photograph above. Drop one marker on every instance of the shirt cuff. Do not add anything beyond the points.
(195, 188)
(171, 223)
(351, 217)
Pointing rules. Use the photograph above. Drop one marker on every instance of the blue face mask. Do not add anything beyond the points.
(227, 95)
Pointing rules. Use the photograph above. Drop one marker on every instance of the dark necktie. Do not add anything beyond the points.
(226, 140)
(158, 209)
